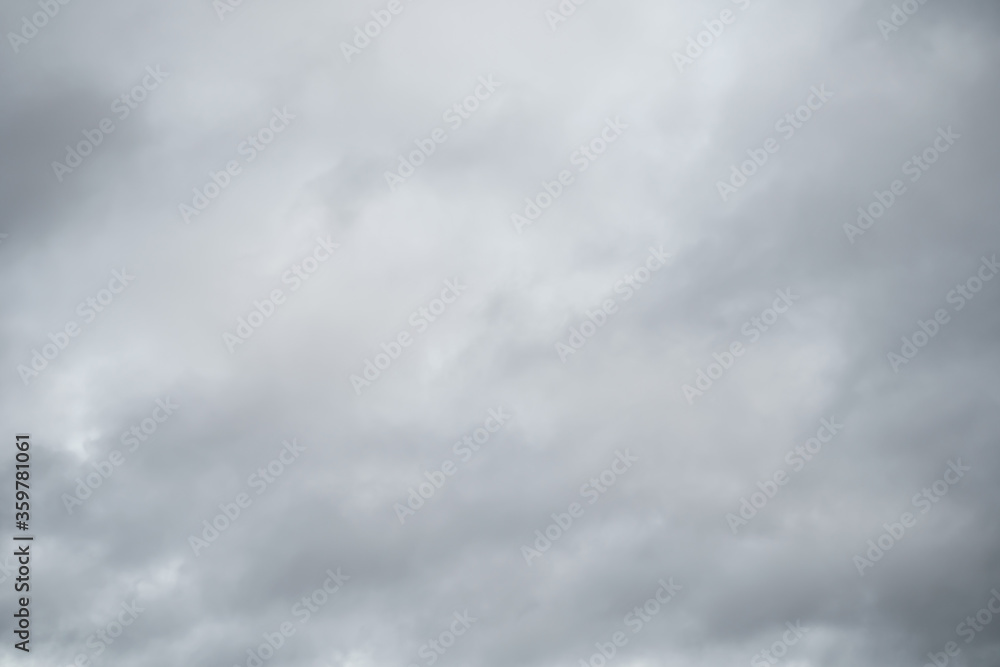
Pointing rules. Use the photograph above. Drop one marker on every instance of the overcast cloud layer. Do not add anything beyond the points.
(656, 329)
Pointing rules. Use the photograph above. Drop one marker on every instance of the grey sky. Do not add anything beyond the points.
(518, 291)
